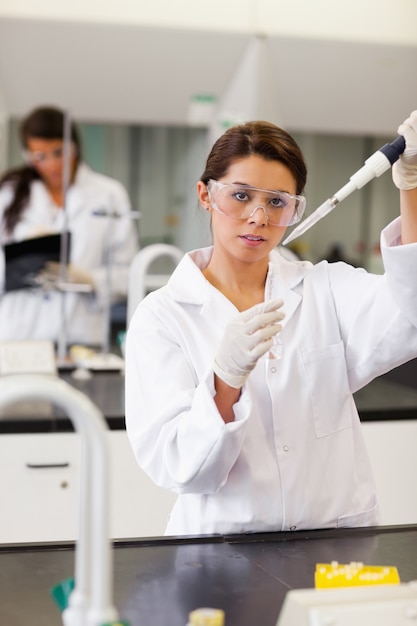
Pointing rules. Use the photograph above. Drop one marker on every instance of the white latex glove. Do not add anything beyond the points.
(246, 338)
(40, 231)
(74, 274)
(404, 171)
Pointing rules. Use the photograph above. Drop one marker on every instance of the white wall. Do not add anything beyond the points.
(333, 69)
(377, 21)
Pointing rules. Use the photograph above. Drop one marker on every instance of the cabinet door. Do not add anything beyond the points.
(39, 487)
(138, 507)
(392, 450)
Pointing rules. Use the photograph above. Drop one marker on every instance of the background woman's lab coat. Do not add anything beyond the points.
(294, 458)
(32, 314)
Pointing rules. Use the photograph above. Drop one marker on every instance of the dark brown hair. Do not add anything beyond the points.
(261, 138)
(41, 123)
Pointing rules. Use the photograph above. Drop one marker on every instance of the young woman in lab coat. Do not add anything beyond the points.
(252, 440)
(31, 204)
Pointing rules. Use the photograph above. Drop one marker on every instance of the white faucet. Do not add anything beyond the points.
(90, 602)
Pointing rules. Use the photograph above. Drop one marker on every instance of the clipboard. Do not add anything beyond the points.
(25, 259)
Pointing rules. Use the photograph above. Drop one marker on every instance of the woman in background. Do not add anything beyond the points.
(253, 436)
(32, 205)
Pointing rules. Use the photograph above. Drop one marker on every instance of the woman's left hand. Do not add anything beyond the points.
(73, 274)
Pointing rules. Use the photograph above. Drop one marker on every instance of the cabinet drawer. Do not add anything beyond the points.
(39, 487)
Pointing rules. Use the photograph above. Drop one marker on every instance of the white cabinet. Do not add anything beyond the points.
(392, 447)
(39, 476)
(139, 508)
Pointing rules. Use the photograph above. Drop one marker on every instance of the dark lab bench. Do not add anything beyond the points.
(105, 390)
(159, 581)
(383, 399)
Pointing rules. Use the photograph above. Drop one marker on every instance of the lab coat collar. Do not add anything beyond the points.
(188, 285)
(291, 273)
(79, 190)
(82, 175)
(284, 276)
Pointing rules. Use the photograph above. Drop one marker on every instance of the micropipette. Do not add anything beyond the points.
(376, 165)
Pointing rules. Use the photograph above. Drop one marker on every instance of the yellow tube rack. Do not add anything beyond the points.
(334, 574)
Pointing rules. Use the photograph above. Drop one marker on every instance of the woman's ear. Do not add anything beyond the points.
(203, 196)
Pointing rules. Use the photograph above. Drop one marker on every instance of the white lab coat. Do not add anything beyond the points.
(294, 458)
(32, 314)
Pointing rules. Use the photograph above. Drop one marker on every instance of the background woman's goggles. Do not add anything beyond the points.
(39, 158)
(241, 202)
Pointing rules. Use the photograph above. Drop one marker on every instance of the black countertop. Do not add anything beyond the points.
(382, 399)
(105, 389)
(159, 581)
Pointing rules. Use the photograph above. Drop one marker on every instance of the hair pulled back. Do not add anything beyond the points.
(260, 138)
(42, 123)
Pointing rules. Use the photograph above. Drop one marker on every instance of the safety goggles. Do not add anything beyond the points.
(241, 202)
(40, 158)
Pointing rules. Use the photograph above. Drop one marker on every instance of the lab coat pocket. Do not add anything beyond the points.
(369, 517)
(327, 385)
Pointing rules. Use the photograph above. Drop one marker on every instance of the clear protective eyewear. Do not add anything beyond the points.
(242, 201)
(39, 158)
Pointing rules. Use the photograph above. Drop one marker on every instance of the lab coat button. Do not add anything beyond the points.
(293, 527)
(273, 370)
(285, 448)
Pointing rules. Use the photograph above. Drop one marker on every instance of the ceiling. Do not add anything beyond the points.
(133, 74)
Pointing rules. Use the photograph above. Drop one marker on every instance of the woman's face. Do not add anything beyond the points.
(252, 238)
(46, 157)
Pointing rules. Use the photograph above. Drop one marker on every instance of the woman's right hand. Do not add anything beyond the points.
(247, 337)
(404, 171)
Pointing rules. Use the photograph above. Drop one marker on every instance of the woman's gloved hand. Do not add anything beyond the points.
(404, 171)
(74, 274)
(246, 338)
